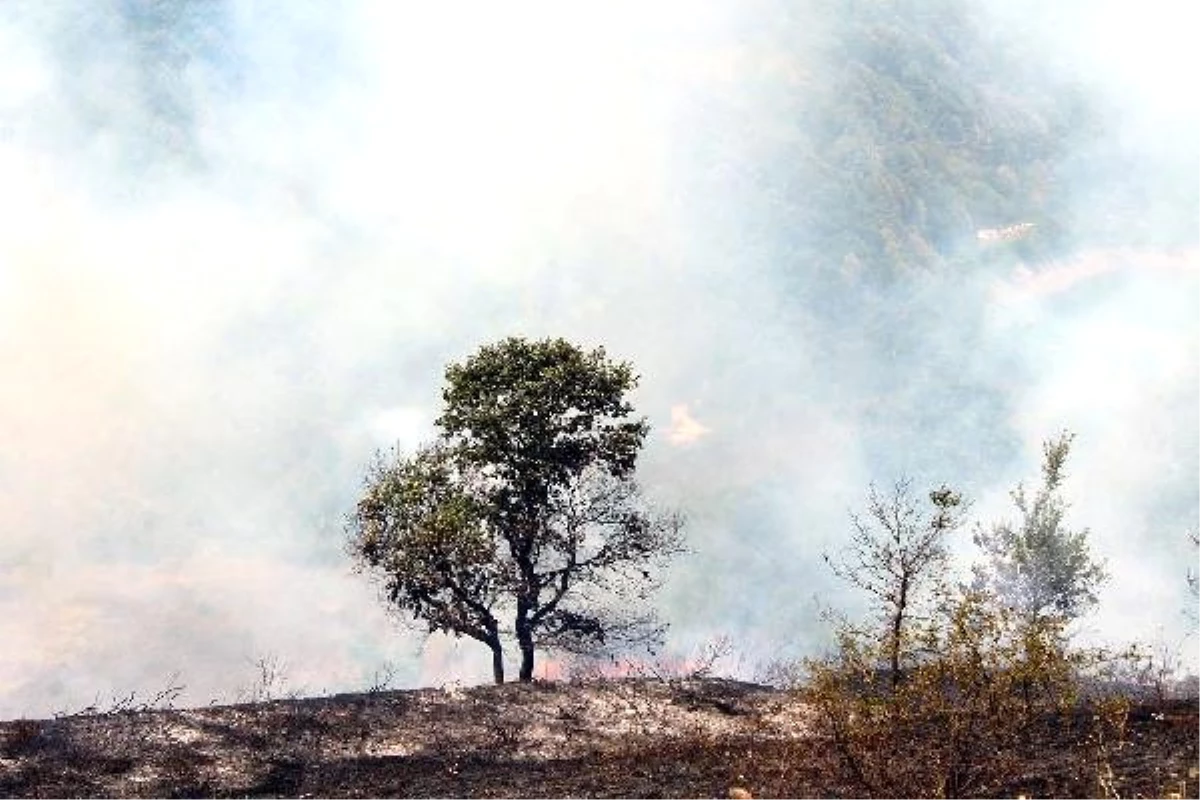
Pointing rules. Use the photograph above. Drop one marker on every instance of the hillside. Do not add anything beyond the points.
(628, 738)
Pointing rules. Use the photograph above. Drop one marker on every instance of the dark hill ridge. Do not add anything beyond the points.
(624, 738)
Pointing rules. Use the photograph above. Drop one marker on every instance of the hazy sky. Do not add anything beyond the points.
(240, 241)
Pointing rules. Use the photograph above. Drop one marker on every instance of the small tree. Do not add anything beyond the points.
(1038, 566)
(522, 519)
(898, 555)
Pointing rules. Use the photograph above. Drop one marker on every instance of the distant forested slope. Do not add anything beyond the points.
(886, 162)
(885, 136)
(933, 132)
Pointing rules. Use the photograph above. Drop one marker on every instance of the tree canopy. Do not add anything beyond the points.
(1038, 565)
(522, 519)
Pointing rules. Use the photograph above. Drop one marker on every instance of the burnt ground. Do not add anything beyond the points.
(624, 738)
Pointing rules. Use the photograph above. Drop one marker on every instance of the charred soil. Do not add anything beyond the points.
(626, 738)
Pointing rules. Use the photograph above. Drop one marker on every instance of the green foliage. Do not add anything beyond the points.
(420, 527)
(523, 519)
(1038, 565)
(539, 414)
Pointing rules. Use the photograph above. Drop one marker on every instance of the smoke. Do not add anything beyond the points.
(240, 243)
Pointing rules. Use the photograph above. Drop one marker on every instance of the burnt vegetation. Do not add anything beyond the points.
(946, 688)
(636, 737)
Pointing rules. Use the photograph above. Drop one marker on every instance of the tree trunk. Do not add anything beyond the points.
(524, 629)
(497, 662)
(525, 641)
(897, 622)
(897, 631)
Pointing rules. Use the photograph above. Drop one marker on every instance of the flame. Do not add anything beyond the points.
(1026, 283)
(684, 427)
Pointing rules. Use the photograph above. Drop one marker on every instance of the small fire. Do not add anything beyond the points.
(684, 427)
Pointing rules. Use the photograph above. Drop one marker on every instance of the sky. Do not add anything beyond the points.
(240, 242)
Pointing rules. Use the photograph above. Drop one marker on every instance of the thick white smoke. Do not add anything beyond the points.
(239, 243)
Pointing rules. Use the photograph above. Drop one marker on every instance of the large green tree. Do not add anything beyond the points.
(522, 520)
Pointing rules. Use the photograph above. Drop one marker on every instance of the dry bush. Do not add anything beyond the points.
(961, 721)
(270, 681)
(1152, 673)
(782, 673)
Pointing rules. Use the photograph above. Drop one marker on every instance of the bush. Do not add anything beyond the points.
(962, 720)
